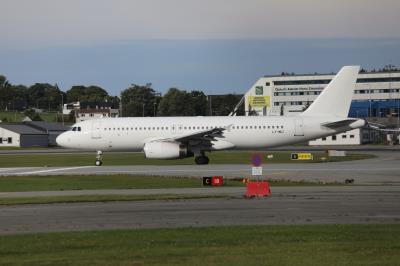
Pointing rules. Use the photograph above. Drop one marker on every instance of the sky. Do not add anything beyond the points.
(218, 46)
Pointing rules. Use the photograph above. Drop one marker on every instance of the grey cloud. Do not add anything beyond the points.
(73, 22)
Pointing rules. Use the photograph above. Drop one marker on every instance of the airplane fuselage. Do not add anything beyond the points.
(246, 132)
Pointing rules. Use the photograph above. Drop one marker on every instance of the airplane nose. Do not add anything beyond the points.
(61, 140)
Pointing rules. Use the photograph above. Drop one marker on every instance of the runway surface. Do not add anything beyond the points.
(287, 205)
(351, 148)
(385, 169)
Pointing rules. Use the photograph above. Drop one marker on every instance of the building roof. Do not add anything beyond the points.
(22, 129)
(46, 126)
(95, 111)
(291, 75)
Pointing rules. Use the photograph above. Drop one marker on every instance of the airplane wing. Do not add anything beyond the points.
(339, 124)
(203, 135)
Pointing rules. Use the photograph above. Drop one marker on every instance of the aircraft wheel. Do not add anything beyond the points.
(200, 160)
(98, 163)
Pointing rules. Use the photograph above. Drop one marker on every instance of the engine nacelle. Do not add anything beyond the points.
(166, 150)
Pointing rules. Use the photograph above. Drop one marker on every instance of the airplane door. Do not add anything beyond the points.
(298, 127)
(176, 129)
(96, 127)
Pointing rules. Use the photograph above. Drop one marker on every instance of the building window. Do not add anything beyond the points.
(9, 140)
(334, 137)
(352, 136)
(323, 139)
(267, 83)
(344, 136)
(1, 140)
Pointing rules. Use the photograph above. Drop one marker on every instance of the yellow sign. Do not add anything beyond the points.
(259, 101)
(301, 156)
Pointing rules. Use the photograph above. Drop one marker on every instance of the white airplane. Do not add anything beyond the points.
(181, 137)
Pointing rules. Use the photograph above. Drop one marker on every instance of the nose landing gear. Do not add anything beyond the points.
(99, 158)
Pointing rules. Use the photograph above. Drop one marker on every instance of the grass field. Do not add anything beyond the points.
(101, 198)
(18, 116)
(76, 182)
(229, 245)
(80, 182)
(17, 160)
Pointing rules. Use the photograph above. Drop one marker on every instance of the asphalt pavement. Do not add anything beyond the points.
(384, 169)
(287, 205)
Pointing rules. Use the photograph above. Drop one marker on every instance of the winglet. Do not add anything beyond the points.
(335, 99)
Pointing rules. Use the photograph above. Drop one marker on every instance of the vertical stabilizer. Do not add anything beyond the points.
(335, 99)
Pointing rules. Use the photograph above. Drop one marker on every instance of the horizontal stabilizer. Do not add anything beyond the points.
(339, 124)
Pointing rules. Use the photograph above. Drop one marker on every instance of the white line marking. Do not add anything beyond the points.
(54, 170)
(9, 169)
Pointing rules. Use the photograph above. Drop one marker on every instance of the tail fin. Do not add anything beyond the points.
(335, 99)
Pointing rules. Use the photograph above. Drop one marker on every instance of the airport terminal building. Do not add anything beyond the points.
(377, 95)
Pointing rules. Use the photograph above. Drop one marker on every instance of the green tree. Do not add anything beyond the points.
(88, 94)
(33, 115)
(199, 103)
(44, 96)
(177, 103)
(139, 100)
(224, 104)
(6, 93)
(3, 80)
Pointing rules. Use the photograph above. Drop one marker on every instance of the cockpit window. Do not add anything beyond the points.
(76, 129)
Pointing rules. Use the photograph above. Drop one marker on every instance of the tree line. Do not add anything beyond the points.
(136, 100)
(143, 100)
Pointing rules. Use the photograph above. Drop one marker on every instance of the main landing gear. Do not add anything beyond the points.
(202, 159)
(99, 158)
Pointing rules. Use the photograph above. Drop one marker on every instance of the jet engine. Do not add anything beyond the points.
(166, 150)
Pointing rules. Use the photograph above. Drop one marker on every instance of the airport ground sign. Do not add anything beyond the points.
(303, 156)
